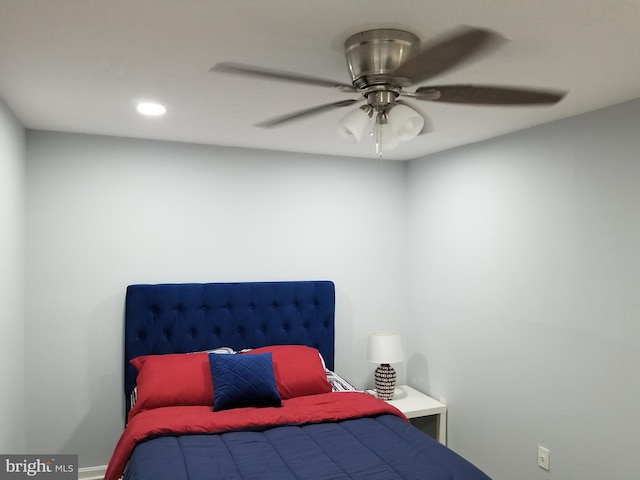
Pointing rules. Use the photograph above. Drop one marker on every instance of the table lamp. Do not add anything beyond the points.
(384, 348)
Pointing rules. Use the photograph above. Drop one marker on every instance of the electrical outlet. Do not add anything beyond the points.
(543, 457)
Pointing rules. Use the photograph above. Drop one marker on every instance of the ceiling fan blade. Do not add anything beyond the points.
(291, 117)
(250, 70)
(447, 52)
(488, 95)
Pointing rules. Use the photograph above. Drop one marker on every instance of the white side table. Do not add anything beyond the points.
(416, 404)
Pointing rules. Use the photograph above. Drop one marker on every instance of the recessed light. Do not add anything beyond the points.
(153, 109)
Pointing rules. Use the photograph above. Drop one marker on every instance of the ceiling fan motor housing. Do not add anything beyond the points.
(374, 55)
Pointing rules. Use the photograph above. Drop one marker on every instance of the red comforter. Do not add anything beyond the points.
(327, 407)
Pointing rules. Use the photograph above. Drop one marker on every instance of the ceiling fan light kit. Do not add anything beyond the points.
(382, 63)
(395, 125)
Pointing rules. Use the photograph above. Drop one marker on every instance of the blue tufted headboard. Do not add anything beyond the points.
(190, 317)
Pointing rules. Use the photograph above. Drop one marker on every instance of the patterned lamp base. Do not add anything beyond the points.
(385, 377)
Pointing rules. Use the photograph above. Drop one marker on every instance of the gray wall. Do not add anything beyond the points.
(105, 212)
(12, 179)
(525, 296)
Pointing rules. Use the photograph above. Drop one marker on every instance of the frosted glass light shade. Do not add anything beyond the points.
(387, 138)
(406, 122)
(353, 125)
(384, 347)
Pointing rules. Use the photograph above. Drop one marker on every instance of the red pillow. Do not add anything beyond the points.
(172, 379)
(298, 370)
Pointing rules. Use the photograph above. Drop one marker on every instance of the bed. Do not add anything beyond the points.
(234, 381)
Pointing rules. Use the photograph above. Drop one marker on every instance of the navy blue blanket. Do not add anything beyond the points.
(380, 448)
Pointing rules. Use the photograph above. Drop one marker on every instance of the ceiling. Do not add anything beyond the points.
(82, 65)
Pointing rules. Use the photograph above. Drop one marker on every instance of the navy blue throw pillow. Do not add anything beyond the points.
(243, 381)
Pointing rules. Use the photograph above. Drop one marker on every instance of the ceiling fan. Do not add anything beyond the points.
(382, 64)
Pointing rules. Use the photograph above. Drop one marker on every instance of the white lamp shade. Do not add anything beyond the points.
(353, 125)
(384, 347)
(387, 137)
(406, 122)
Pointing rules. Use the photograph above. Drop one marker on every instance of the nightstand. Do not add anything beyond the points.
(415, 404)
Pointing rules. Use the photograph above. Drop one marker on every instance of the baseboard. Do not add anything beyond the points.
(92, 473)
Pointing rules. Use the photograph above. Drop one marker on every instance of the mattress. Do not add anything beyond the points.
(334, 435)
(384, 447)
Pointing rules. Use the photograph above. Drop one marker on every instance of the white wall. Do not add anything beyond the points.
(12, 179)
(525, 296)
(105, 212)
